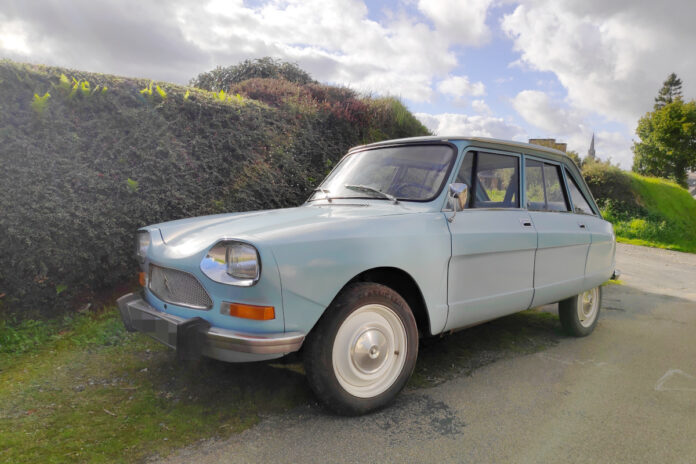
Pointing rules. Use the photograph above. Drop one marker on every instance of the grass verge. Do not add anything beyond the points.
(667, 216)
(84, 390)
(94, 393)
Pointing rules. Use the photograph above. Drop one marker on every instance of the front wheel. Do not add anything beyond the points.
(363, 349)
(579, 314)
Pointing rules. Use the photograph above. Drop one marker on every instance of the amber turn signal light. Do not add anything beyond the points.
(245, 311)
(141, 278)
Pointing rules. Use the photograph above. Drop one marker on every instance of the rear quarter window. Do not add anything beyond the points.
(580, 203)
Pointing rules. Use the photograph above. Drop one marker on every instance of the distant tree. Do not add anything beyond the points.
(670, 91)
(667, 146)
(221, 78)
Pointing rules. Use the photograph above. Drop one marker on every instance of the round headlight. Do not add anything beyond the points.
(142, 244)
(232, 262)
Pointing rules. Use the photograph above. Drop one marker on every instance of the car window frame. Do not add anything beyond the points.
(473, 150)
(564, 184)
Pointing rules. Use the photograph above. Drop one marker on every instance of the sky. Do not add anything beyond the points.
(511, 69)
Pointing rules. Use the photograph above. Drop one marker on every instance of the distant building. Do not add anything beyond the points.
(551, 143)
(591, 152)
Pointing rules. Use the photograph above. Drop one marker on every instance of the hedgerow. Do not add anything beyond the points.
(222, 78)
(82, 169)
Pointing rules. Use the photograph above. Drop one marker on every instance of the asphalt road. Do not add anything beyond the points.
(627, 393)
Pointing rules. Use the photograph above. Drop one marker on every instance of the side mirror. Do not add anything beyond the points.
(459, 195)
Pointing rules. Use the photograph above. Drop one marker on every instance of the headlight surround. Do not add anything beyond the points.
(232, 262)
(142, 243)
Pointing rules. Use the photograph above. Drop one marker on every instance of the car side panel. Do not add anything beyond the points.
(601, 258)
(316, 262)
(559, 271)
(492, 265)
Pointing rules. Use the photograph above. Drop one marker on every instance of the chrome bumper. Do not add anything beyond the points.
(194, 337)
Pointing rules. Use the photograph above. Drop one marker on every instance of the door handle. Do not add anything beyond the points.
(582, 226)
(526, 223)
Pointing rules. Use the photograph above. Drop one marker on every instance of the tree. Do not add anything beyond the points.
(667, 146)
(670, 91)
(221, 78)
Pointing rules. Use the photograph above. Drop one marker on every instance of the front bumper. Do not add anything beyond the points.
(195, 337)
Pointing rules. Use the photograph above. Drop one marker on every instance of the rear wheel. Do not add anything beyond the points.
(363, 349)
(579, 314)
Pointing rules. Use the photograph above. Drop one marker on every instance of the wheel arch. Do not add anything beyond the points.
(402, 283)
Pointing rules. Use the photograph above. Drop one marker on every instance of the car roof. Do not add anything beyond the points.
(485, 140)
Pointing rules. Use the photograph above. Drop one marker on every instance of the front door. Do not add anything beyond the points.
(493, 243)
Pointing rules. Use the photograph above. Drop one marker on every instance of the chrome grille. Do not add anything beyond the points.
(178, 288)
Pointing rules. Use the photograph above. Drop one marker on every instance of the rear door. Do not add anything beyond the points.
(493, 243)
(563, 237)
(600, 259)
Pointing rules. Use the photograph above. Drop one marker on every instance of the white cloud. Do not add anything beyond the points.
(614, 146)
(612, 57)
(538, 109)
(333, 39)
(13, 38)
(481, 107)
(460, 87)
(446, 124)
(568, 125)
(461, 21)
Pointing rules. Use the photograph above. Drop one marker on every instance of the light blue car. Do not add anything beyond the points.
(404, 239)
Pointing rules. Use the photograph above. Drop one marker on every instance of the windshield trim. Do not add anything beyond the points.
(351, 152)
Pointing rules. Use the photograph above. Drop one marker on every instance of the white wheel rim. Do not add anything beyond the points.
(588, 307)
(369, 351)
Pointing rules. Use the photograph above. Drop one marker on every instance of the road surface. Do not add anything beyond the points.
(627, 393)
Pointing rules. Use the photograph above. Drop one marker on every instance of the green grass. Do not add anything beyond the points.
(668, 220)
(93, 393)
(84, 390)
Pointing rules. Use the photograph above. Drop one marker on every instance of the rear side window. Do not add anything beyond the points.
(494, 179)
(544, 187)
(580, 204)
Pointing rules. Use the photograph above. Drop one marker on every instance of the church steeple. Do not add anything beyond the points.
(591, 151)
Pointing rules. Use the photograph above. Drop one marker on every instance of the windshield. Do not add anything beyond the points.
(411, 173)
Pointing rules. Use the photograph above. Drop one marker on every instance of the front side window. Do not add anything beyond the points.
(544, 187)
(580, 204)
(494, 179)
(411, 172)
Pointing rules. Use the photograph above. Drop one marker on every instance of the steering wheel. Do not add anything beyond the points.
(399, 190)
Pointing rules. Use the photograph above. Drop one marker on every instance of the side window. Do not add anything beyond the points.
(544, 187)
(494, 179)
(579, 202)
(534, 179)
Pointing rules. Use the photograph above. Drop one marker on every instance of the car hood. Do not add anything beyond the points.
(270, 223)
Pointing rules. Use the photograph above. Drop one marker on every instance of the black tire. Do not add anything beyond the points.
(323, 375)
(570, 311)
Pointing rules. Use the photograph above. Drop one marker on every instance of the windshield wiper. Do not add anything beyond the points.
(325, 192)
(365, 188)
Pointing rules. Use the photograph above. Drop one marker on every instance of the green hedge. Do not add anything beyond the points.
(82, 166)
